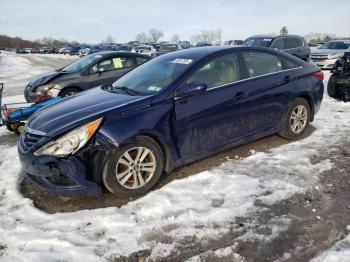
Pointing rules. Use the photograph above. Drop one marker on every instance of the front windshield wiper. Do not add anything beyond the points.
(126, 90)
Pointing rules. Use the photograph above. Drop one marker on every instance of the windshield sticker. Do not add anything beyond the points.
(154, 88)
(97, 56)
(182, 61)
(266, 39)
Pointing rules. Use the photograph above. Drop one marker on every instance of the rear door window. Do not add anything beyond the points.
(290, 43)
(278, 44)
(261, 63)
(113, 63)
(299, 42)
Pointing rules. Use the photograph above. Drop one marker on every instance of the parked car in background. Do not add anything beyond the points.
(88, 72)
(173, 110)
(46, 50)
(89, 50)
(326, 55)
(72, 50)
(167, 48)
(185, 44)
(291, 44)
(146, 50)
(202, 44)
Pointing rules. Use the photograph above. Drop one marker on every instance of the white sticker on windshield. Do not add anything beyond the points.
(266, 39)
(97, 56)
(182, 61)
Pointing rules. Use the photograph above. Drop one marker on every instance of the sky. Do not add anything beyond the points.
(92, 21)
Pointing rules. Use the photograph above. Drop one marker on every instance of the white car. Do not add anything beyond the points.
(146, 50)
(326, 55)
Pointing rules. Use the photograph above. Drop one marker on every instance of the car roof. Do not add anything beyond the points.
(273, 36)
(107, 53)
(200, 52)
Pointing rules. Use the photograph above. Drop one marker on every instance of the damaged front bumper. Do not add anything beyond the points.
(66, 177)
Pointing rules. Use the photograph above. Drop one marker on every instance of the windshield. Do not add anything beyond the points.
(168, 48)
(335, 45)
(153, 76)
(77, 66)
(259, 41)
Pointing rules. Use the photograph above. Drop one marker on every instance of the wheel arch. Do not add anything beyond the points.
(163, 146)
(70, 86)
(309, 99)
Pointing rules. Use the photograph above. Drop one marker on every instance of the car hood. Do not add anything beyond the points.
(46, 78)
(327, 51)
(82, 108)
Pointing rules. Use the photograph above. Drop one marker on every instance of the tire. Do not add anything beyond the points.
(19, 127)
(290, 128)
(10, 127)
(69, 91)
(332, 87)
(125, 185)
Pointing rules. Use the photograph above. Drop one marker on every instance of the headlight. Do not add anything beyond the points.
(334, 56)
(70, 142)
(44, 89)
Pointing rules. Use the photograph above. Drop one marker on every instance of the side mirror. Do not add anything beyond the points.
(100, 70)
(191, 89)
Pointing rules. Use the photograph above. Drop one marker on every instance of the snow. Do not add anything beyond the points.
(340, 252)
(201, 206)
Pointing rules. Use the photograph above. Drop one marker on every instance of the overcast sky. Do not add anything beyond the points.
(93, 20)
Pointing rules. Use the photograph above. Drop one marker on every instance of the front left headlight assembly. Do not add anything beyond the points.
(45, 89)
(70, 142)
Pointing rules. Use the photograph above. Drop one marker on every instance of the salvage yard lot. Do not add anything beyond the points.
(287, 201)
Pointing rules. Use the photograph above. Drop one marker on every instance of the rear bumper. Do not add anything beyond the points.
(65, 177)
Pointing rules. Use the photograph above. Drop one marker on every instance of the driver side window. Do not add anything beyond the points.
(218, 72)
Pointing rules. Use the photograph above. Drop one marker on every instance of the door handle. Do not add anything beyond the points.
(239, 96)
(287, 79)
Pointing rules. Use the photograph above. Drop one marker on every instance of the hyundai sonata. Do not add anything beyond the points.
(168, 112)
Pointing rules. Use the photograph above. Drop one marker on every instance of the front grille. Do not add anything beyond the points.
(319, 58)
(28, 140)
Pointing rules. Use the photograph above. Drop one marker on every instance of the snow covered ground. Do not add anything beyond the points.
(201, 207)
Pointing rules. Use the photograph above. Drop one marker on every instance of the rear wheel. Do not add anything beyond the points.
(297, 119)
(134, 168)
(69, 91)
(332, 87)
(19, 127)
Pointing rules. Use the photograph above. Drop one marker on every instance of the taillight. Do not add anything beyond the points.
(319, 75)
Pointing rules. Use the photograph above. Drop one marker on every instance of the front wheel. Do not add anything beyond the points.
(19, 127)
(134, 168)
(297, 119)
(69, 91)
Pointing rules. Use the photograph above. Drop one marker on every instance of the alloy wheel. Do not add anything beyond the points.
(135, 167)
(298, 119)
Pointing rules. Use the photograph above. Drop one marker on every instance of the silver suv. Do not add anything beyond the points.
(326, 55)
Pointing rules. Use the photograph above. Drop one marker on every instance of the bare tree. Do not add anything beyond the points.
(284, 30)
(175, 38)
(109, 40)
(142, 37)
(208, 36)
(155, 34)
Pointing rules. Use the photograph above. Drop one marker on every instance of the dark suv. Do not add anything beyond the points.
(291, 44)
(88, 72)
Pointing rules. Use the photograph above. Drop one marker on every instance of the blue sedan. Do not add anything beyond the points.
(166, 113)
